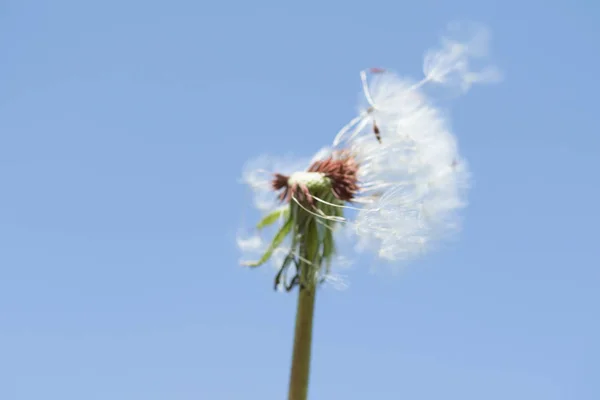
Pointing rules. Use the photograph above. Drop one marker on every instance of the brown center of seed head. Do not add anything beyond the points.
(279, 182)
(342, 170)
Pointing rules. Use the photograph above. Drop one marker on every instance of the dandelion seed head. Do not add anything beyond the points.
(394, 171)
(416, 175)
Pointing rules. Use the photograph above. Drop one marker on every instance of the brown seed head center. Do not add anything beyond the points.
(342, 170)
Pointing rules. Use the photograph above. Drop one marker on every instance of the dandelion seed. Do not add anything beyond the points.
(450, 64)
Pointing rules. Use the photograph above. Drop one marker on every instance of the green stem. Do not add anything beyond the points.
(310, 261)
(302, 342)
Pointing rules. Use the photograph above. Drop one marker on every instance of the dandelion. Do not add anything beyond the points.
(314, 200)
(393, 180)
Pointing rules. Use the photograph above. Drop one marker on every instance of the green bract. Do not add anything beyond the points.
(311, 226)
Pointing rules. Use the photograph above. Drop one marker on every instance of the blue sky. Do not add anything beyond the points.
(124, 126)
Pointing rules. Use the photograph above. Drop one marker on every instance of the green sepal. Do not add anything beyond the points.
(271, 218)
(328, 249)
(328, 244)
(277, 240)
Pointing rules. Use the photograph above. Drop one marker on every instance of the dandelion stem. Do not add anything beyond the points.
(300, 372)
(308, 271)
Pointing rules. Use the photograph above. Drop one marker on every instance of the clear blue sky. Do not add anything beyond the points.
(124, 126)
